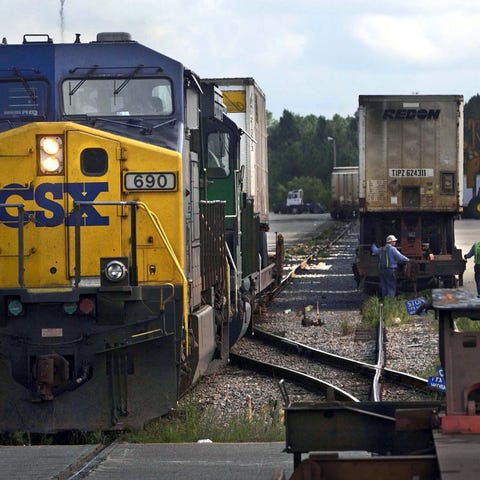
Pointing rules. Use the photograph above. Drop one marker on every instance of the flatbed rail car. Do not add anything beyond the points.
(411, 184)
(120, 279)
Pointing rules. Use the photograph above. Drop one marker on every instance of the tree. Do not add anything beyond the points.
(298, 149)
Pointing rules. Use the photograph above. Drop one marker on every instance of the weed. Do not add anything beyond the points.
(193, 423)
(347, 327)
(394, 309)
(464, 324)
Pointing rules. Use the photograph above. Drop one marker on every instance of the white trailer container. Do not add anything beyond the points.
(411, 184)
(246, 106)
(411, 152)
(344, 192)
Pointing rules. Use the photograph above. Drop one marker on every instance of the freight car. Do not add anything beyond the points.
(121, 266)
(245, 104)
(411, 184)
(344, 193)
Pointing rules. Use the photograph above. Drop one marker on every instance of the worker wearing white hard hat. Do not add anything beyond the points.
(391, 238)
(389, 257)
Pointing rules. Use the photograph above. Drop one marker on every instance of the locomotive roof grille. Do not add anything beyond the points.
(114, 37)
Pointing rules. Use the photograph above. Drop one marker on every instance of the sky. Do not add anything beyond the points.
(308, 56)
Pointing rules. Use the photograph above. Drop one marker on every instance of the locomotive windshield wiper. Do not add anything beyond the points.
(116, 122)
(144, 130)
(26, 85)
(124, 83)
(158, 125)
(83, 80)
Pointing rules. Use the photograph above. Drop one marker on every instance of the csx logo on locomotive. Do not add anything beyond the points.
(51, 213)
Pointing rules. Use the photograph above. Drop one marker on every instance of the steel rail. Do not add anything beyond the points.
(378, 372)
(301, 266)
(84, 464)
(376, 383)
(339, 361)
(308, 382)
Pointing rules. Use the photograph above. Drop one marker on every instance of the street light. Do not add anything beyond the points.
(331, 139)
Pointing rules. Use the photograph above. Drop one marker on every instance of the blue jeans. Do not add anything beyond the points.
(476, 269)
(388, 282)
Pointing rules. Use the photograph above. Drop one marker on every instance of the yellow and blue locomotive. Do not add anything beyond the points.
(121, 266)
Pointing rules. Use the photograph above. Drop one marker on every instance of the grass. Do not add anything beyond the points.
(69, 437)
(189, 424)
(347, 328)
(394, 309)
(467, 325)
(193, 423)
(395, 314)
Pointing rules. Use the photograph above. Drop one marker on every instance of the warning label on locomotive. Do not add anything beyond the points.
(151, 181)
(52, 332)
(410, 172)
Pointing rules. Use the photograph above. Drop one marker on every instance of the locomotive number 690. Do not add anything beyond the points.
(151, 181)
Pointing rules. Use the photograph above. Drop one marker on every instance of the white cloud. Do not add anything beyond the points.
(424, 39)
(283, 48)
(402, 37)
(309, 56)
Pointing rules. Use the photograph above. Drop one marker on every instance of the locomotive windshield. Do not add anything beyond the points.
(117, 96)
(23, 98)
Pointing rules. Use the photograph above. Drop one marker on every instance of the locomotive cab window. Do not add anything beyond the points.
(218, 165)
(28, 98)
(118, 97)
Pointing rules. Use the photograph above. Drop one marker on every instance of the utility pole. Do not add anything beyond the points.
(331, 139)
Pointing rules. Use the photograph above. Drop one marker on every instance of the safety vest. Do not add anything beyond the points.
(384, 261)
(477, 253)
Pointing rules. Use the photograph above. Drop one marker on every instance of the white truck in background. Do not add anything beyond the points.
(295, 203)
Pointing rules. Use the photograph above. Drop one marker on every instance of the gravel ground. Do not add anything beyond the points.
(320, 308)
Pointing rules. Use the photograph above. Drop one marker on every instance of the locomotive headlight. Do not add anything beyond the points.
(51, 155)
(49, 165)
(50, 145)
(115, 271)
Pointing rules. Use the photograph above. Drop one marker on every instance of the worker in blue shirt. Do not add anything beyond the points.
(389, 257)
(475, 251)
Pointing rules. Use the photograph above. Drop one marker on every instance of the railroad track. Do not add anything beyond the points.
(86, 463)
(297, 266)
(333, 377)
(322, 281)
(309, 382)
(330, 375)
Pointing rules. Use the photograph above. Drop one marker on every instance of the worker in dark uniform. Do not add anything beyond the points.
(389, 257)
(475, 251)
